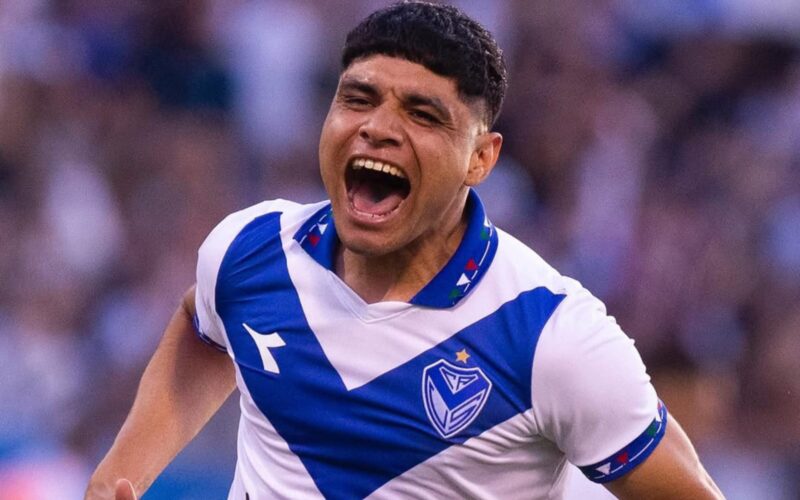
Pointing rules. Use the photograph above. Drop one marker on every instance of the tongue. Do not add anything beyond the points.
(374, 198)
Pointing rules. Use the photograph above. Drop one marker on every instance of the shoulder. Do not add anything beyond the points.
(590, 390)
(225, 233)
(283, 218)
(519, 275)
(579, 333)
(519, 266)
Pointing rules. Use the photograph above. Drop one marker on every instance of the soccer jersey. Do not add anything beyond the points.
(483, 385)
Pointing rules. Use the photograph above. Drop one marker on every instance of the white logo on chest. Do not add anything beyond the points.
(264, 342)
(453, 395)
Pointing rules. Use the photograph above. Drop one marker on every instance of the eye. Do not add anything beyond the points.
(424, 116)
(356, 101)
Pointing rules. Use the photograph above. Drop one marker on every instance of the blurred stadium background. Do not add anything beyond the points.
(652, 151)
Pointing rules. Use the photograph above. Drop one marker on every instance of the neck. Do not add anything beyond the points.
(400, 275)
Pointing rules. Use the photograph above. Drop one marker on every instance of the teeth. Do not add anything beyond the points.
(377, 166)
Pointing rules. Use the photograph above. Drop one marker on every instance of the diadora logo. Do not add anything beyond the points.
(453, 396)
(264, 342)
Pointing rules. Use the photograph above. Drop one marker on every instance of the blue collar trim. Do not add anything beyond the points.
(317, 236)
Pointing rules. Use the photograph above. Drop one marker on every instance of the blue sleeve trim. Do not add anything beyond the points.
(635, 453)
(205, 338)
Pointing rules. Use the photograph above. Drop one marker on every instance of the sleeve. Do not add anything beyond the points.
(590, 390)
(207, 323)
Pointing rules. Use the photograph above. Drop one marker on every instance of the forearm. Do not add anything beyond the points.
(184, 384)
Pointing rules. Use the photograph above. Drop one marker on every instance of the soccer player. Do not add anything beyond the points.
(392, 342)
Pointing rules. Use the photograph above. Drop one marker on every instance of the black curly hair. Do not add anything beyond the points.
(441, 38)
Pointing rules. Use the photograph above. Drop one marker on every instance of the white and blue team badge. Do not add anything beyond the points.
(453, 395)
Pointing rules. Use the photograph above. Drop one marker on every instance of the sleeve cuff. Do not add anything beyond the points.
(205, 338)
(635, 453)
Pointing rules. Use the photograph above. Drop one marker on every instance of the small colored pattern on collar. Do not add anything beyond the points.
(317, 236)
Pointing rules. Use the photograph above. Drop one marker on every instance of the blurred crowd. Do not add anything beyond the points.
(652, 151)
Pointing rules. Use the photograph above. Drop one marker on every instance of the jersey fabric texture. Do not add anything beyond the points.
(484, 385)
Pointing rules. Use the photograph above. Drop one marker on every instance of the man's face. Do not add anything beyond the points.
(398, 151)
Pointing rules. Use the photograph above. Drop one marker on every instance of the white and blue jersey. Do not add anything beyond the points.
(484, 385)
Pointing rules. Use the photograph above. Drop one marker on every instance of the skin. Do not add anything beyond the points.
(182, 387)
(443, 147)
(391, 110)
(394, 110)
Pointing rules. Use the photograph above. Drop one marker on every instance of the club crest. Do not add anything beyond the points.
(453, 396)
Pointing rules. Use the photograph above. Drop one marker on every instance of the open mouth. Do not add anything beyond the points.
(375, 188)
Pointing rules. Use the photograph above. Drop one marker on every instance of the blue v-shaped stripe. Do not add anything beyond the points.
(352, 442)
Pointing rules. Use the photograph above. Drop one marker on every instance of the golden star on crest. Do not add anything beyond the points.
(462, 356)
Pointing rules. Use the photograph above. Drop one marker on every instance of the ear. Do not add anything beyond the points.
(484, 157)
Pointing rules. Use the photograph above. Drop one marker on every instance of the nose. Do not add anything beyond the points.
(381, 128)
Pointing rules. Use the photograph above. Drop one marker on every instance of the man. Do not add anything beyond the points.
(392, 342)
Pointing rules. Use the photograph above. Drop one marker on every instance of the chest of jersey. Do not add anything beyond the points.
(357, 421)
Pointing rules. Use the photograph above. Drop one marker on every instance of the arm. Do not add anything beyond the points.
(593, 398)
(673, 471)
(184, 384)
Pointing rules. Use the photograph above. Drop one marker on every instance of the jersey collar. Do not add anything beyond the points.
(317, 236)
